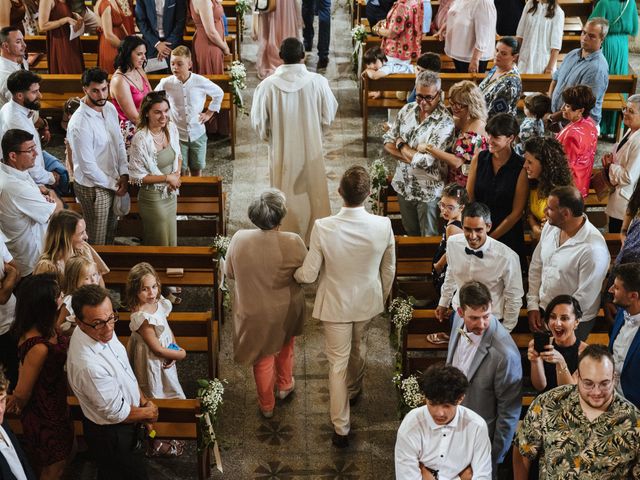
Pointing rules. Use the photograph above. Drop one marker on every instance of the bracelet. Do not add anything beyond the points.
(563, 369)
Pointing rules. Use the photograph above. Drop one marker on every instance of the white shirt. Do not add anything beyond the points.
(13, 115)
(7, 67)
(447, 448)
(100, 376)
(465, 350)
(160, 17)
(24, 216)
(623, 341)
(498, 269)
(470, 24)
(8, 451)
(577, 268)
(7, 311)
(539, 35)
(99, 154)
(187, 102)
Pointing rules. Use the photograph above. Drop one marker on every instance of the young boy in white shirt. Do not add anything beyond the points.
(187, 93)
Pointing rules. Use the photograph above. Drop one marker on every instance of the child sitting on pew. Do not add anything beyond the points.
(152, 348)
(536, 106)
(187, 93)
(78, 271)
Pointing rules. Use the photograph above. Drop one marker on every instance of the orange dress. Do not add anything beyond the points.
(63, 55)
(208, 59)
(107, 52)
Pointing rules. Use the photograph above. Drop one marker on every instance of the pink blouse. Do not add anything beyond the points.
(580, 140)
(137, 95)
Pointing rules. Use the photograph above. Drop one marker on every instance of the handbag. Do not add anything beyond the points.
(265, 6)
(600, 183)
(121, 205)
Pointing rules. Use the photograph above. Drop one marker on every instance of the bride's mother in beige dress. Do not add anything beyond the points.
(268, 304)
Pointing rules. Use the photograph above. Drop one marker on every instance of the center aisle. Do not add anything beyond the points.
(296, 442)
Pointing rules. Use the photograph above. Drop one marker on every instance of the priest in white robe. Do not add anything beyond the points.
(290, 109)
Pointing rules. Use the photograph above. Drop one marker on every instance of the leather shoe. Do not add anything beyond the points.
(340, 441)
(322, 64)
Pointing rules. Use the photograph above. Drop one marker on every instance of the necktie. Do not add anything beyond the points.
(478, 253)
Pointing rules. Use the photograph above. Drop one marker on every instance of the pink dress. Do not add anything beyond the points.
(580, 140)
(127, 127)
(208, 59)
(284, 22)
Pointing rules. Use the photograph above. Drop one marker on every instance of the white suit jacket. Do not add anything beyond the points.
(623, 174)
(353, 252)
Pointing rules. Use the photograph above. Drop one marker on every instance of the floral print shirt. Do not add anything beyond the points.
(571, 447)
(502, 94)
(404, 20)
(424, 178)
(529, 128)
(465, 146)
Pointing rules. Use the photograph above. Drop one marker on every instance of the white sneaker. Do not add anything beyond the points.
(282, 394)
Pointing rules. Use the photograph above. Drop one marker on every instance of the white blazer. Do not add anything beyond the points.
(354, 254)
(623, 175)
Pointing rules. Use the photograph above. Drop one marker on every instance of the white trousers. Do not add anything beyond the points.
(346, 349)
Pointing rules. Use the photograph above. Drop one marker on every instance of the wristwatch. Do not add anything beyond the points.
(400, 145)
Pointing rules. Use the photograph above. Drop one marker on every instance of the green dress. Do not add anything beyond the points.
(159, 224)
(623, 22)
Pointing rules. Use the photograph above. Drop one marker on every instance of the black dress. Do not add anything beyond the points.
(497, 192)
(570, 355)
(438, 278)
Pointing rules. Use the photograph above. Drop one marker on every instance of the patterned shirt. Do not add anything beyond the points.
(502, 94)
(529, 128)
(404, 21)
(572, 447)
(424, 178)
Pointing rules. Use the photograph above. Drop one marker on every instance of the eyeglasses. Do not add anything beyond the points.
(449, 208)
(101, 324)
(28, 150)
(427, 98)
(589, 385)
(457, 106)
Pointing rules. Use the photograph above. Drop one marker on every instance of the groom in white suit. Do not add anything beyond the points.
(354, 254)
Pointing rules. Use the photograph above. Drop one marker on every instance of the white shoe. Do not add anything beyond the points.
(282, 394)
(268, 414)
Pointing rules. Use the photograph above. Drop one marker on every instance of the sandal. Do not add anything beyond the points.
(165, 449)
(175, 300)
(175, 290)
(439, 338)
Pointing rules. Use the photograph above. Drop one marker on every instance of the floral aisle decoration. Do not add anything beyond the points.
(411, 395)
(378, 173)
(238, 74)
(358, 35)
(401, 313)
(243, 7)
(210, 394)
(221, 245)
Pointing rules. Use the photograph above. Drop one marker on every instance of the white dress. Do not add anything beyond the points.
(539, 35)
(69, 323)
(154, 381)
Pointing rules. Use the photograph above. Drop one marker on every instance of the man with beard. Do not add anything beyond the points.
(19, 113)
(585, 431)
(12, 52)
(99, 157)
(624, 343)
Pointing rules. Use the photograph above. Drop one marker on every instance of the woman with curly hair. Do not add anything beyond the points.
(547, 168)
(470, 117)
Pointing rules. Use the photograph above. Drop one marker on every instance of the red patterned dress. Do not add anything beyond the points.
(580, 140)
(465, 147)
(404, 21)
(48, 431)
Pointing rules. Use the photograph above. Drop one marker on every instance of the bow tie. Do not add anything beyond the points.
(631, 320)
(478, 253)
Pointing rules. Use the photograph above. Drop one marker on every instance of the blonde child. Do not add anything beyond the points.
(454, 199)
(78, 271)
(152, 347)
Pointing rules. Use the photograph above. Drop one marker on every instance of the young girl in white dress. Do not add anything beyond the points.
(540, 36)
(78, 271)
(152, 347)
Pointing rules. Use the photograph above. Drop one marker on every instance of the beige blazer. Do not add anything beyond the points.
(353, 253)
(623, 175)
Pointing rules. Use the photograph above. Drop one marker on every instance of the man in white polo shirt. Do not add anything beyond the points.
(25, 208)
(114, 407)
(12, 51)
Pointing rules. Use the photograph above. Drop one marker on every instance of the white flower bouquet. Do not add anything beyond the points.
(238, 74)
(210, 395)
(378, 173)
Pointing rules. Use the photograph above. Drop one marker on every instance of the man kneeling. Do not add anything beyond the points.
(442, 439)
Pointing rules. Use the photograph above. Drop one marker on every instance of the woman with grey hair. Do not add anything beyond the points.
(268, 304)
(622, 165)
